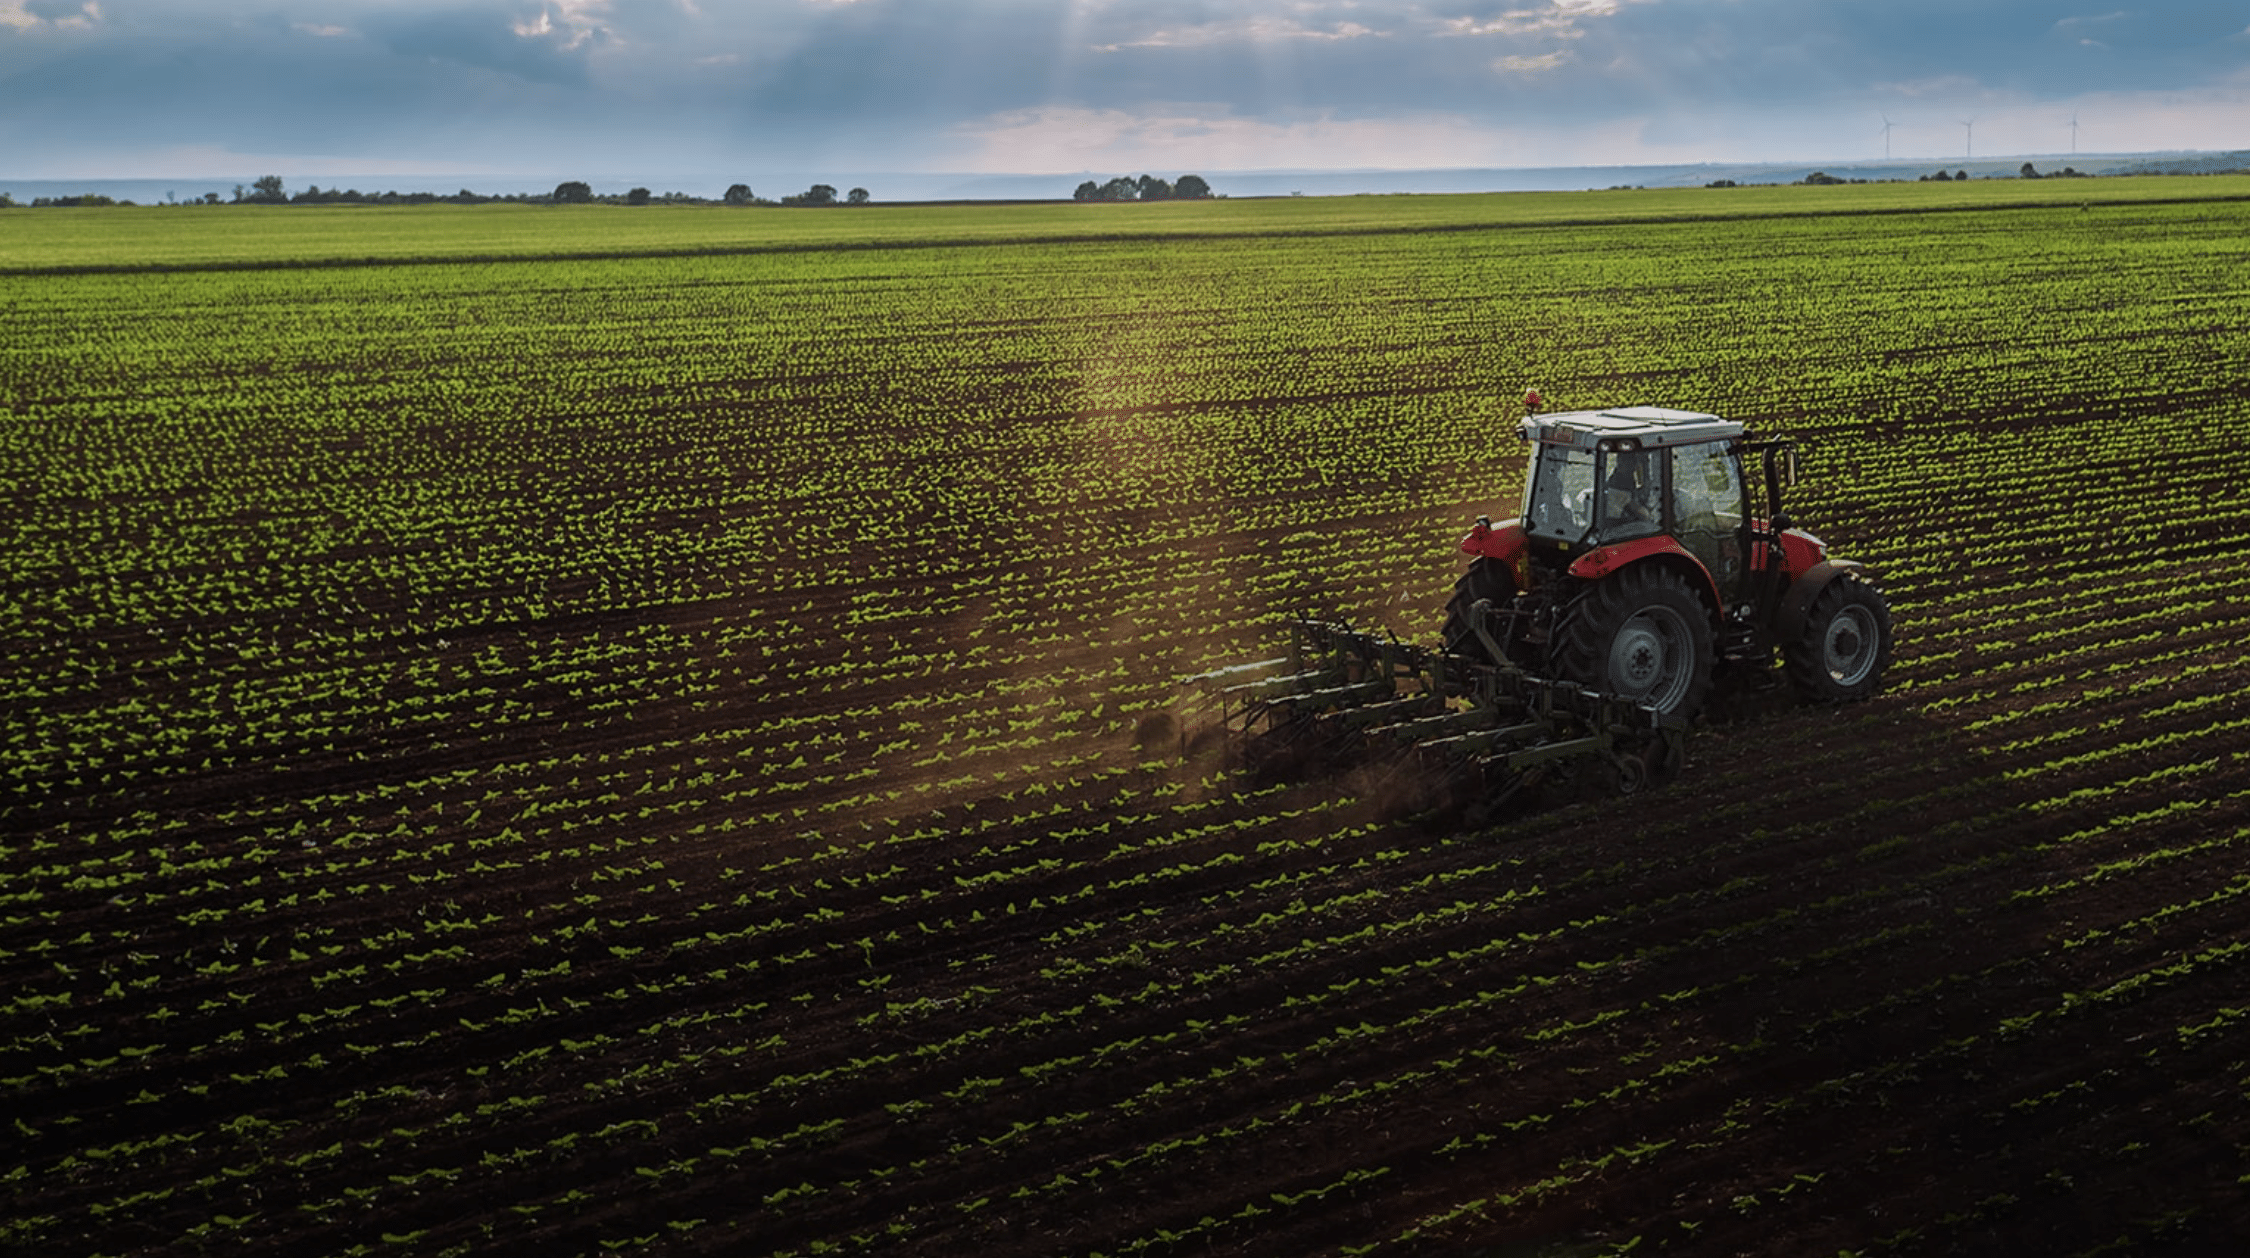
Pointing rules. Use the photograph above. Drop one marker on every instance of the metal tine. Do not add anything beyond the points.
(1349, 693)
(1280, 687)
(1204, 680)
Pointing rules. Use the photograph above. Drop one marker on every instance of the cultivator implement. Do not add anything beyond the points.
(1447, 730)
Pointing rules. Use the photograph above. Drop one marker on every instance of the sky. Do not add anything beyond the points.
(161, 88)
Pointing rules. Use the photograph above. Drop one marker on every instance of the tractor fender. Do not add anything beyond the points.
(1606, 560)
(1504, 543)
(1789, 618)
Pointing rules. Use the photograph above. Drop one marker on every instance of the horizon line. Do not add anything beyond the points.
(714, 172)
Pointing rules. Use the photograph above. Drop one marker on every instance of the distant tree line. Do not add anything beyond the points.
(1822, 177)
(822, 194)
(575, 192)
(2026, 171)
(92, 198)
(269, 190)
(1145, 188)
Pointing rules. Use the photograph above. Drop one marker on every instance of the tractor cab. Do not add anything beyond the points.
(1601, 478)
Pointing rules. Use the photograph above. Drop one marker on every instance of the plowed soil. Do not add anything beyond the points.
(1855, 982)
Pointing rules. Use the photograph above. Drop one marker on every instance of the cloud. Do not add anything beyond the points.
(2081, 30)
(1252, 30)
(1565, 22)
(1561, 19)
(1941, 87)
(67, 14)
(572, 24)
(548, 47)
(1212, 137)
(1532, 65)
(1064, 85)
(1205, 138)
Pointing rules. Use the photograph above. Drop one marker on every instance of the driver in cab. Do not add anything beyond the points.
(1629, 499)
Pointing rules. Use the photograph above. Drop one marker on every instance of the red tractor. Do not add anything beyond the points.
(1587, 631)
(1643, 558)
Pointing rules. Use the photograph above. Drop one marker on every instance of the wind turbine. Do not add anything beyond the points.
(2074, 135)
(1886, 136)
(1969, 138)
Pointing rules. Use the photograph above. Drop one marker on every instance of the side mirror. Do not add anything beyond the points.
(1789, 466)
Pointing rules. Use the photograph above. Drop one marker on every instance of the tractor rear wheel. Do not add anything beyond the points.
(1487, 579)
(1643, 635)
(1845, 646)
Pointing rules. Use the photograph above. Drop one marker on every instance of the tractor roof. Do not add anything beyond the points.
(1638, 426)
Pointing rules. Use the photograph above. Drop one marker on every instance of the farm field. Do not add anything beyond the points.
(252, 237)
(619, 733)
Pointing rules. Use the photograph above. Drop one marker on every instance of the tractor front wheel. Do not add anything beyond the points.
(1642, 635)
(1845, 646)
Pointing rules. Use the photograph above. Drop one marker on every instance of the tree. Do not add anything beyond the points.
(573, 192)
(739, 194)
(2029, 171)
(857, 196)
(267, 190)
(638, 196)
(1143, 188)
(818, 194)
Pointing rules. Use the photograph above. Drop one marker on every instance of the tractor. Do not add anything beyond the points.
(1651, 556)
(1640, 564)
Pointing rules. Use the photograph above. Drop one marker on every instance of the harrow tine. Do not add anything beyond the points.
(1455, 731)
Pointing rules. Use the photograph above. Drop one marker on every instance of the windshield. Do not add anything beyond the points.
(1574, 495)
(1558, 499)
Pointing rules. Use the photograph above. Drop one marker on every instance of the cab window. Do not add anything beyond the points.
(1632, 494)
(1707, 503)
